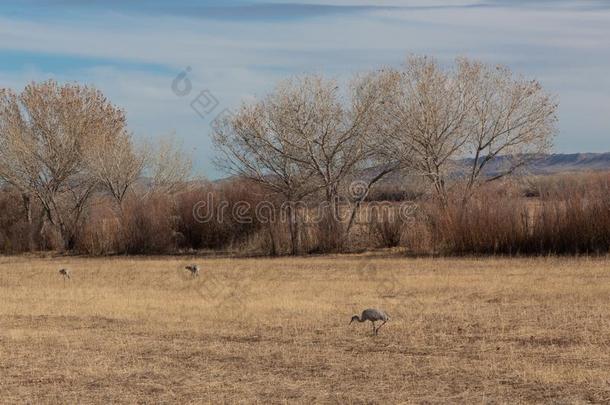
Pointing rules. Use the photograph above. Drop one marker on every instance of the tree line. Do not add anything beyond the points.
(309, 138)
(67, 155)
(60, 145)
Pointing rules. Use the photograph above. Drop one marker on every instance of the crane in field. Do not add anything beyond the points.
(194, 269)
(65, 273)
(373, 315)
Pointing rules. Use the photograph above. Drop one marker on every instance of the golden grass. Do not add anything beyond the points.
(276, 330)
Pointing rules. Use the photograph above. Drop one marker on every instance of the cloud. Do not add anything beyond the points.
(133, 57)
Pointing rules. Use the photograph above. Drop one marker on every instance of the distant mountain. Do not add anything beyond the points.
(554, 163)
(573, 162)
(542, 165)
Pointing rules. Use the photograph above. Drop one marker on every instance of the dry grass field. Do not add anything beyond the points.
(141, 330)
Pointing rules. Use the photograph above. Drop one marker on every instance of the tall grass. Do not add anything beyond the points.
(15, 231)
(572, 219)
(219, 216)
(568, 214)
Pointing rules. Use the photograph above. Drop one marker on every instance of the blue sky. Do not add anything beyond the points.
(237, 49)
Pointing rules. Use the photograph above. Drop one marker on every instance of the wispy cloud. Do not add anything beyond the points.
(132, 50)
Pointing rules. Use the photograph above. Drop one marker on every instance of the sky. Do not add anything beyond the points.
(175, 66)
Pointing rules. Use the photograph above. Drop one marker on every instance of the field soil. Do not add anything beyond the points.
(142, 330)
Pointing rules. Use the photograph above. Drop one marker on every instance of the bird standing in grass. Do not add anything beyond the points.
(373, 315)
(194, 269)
(65, 273)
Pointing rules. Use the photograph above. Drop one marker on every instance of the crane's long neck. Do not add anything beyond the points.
(359, 319)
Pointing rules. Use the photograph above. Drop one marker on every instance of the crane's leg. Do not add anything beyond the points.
(380, 326)
(373, 322)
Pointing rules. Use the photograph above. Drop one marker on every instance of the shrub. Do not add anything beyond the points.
(571, 219)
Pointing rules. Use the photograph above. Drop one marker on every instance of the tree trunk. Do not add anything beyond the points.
(273, 243)
(27, 207)
(293, 229)
(363, 197)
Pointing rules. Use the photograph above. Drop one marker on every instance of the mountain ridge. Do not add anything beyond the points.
(560, 162)
(547, 164)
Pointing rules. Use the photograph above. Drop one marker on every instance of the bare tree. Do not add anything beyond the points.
(435, 117)
(114, 161)
(303, 137)
(257, 144)
(44, 132)
(333, 131)
(426, 117)
(511, 117)
(330, 128)
(168, 166)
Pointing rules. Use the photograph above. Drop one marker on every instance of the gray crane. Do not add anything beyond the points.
(65, 273)
(194, 269)
(373, 315)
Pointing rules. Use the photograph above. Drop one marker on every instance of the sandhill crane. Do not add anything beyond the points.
(65, 273)
(373, 315)
(194, 269)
